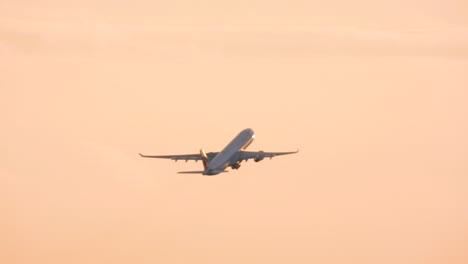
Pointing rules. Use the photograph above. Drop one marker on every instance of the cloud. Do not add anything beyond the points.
(140, 40)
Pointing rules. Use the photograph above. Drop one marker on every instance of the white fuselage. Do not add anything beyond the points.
(226, 157)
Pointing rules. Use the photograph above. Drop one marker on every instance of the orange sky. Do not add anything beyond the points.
(373, 94)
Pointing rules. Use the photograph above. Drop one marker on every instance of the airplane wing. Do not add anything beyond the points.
(259, 155)
(186, 157)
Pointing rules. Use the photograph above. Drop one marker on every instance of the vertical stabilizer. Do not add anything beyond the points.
(204, 158)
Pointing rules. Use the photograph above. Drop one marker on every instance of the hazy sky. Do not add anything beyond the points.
(374, 94)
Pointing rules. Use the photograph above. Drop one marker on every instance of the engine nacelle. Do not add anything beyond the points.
(260, 156)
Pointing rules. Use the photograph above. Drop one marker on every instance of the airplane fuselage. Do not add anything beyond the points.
(223, 160)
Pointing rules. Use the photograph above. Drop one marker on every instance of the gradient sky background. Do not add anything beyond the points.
(373, 93)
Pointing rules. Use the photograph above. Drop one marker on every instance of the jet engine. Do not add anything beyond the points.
(235, 166)
(260, 156)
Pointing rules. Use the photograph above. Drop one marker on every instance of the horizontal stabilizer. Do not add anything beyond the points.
(190, 172)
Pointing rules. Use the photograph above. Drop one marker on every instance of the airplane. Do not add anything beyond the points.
(231, 156)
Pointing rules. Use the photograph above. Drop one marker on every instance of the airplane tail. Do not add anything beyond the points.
(204, 158)
(190, 172)
(205, 163)
(200, 172)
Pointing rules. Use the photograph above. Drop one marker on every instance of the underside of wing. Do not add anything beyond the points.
(260, 155)
(186, 157)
